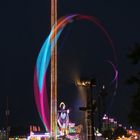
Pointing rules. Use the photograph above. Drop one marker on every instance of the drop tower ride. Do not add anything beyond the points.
(53, 107)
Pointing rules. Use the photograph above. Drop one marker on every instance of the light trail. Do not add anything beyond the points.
(43, 60)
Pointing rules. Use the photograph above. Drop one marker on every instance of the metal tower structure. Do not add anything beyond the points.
(53, 107)
(90, 106)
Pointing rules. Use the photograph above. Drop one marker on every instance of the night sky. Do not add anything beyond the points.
(83, 51)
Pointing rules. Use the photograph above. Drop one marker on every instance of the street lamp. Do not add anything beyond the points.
(90, 106)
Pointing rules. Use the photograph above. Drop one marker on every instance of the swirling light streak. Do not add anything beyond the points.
(114, 81)
(43, 60)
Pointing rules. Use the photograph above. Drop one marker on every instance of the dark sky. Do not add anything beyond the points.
(25, 24)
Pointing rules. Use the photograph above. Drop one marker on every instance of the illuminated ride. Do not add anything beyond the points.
(66, 129)
(63, 119)
(43, 60)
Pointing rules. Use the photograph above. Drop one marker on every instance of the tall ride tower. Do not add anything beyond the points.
(53, 107)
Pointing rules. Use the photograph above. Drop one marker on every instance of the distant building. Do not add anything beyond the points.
(3, 135)
(109, 123)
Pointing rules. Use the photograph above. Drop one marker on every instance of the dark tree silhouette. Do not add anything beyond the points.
(119, 132)
(134, 115)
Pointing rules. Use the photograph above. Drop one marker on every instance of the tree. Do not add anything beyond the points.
(134, 115)
(119, 132)
(108, 134)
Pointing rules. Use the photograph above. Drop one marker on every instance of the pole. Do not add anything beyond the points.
(7, 113)
(90, 115)
(99, 113)
(53, 107)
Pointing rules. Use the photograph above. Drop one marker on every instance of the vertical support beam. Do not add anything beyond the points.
(7, 112)
(53, 106)
(90, 117)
